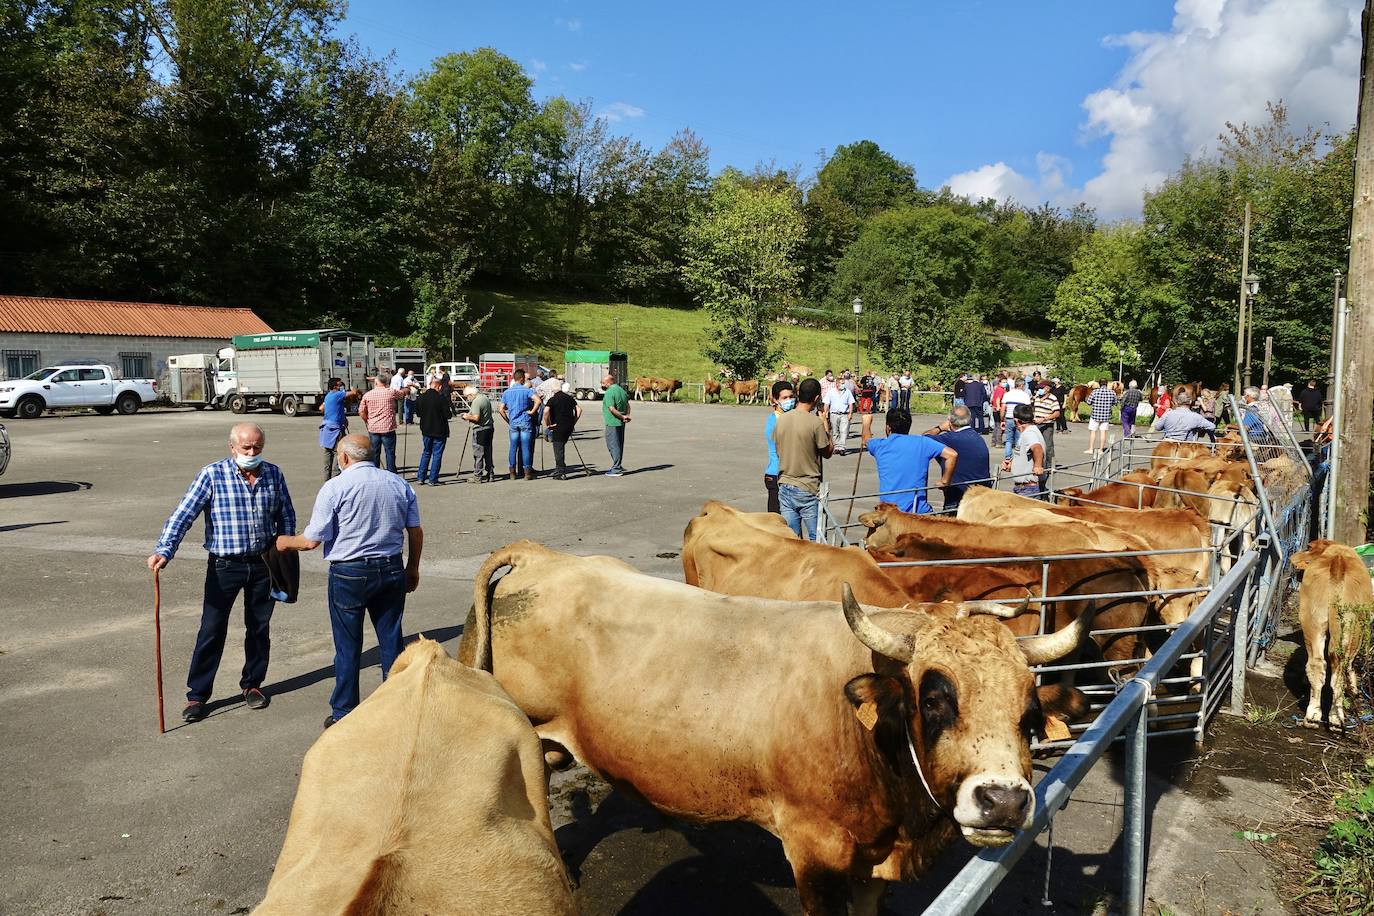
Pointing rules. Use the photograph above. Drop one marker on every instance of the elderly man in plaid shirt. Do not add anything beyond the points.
(246, 505)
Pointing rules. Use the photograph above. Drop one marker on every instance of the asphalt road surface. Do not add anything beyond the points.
(101, 815)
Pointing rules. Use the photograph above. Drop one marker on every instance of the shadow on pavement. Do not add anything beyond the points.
(21, 527)
(42, 488)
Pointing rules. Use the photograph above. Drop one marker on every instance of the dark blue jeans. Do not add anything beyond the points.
(224, 578)
(615, 444)
(375, 586)
(431, 455)
(387, 442)
(521, 456)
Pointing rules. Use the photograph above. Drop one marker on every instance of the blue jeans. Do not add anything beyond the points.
(431, 455)
(409, 410)
(799, 507)
(225, 577)
(615, 444)
(521, 457)
(1011, 435)
(384, 442)
(377, 586)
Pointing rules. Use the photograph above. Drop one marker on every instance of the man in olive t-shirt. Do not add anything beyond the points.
(802, 440)
(615, 413)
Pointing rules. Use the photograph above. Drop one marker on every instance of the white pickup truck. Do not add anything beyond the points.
(72, 386)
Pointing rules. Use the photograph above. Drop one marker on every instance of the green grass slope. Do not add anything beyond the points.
(664, 342)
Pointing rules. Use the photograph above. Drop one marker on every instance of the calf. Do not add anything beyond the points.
(1335, 602)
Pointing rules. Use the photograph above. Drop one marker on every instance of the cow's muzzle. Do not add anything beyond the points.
(989, 809)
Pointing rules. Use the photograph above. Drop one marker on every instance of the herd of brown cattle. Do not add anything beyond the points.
(867, 715)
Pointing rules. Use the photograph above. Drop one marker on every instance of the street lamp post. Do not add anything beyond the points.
(858, 310)
(1251, 291)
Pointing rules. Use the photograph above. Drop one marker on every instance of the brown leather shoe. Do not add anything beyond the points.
(529, 473)
(514, 475)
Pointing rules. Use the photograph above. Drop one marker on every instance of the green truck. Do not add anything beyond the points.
(584, 369)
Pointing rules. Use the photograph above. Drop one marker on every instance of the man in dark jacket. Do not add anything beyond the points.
(1311, 400)
(561, 414)
(434, 409)
(975, 396)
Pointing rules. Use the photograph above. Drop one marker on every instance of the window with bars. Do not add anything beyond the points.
(136, 365)
(19, 363)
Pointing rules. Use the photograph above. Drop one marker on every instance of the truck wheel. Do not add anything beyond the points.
(128, 403)
(290, 406)
(237, 403)
(104, 411)
(31, 408)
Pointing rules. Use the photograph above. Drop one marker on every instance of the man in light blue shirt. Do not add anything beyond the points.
(1180, 423)
(363, 517)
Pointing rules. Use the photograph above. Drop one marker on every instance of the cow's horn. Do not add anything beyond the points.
(992, 609)
(1040, 650)
(870, 634)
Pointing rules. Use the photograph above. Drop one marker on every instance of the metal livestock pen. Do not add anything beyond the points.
(1248, 572)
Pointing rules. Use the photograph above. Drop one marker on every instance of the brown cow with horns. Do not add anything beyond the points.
(866, 740)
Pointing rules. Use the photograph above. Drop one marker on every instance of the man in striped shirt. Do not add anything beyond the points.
(1046, 413)
(246, 505)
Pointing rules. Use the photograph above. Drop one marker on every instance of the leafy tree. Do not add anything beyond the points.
(1026, 253)
(1097, 308)
(914, 268)
(857, 182)
(741, 264)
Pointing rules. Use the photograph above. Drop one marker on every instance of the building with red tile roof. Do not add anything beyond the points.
(135, 338)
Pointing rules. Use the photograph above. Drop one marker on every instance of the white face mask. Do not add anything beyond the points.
(247, 462)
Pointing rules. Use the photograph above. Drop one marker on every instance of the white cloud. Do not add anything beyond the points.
(1222, 60)
(577, 67)
(537, 65)
(620, 111)
(1000, 181)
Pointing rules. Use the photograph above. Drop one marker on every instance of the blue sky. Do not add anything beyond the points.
(1027, 100)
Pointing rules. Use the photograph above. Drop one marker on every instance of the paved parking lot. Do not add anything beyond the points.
(100, 814)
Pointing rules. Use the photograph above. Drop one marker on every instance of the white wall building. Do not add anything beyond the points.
(135, 338)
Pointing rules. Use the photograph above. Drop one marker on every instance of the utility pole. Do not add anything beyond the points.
(1240, 320)
(1268, 355)
(1357, 395)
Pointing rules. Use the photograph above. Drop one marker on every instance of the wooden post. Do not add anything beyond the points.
(1240, 318)
(1268, 355)
(1329, 389)
(1352, 481)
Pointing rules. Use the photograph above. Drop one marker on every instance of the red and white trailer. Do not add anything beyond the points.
(495, 369)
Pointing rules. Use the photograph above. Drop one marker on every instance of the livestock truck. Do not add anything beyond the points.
(393, 358)
(288, 371)
(201, 380)
(584, 369)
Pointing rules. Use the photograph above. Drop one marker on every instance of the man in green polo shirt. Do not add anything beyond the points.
(615, 413)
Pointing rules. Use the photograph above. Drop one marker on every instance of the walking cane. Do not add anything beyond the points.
(580, 459)
(855, 489)
(463, 454)
(157, 649)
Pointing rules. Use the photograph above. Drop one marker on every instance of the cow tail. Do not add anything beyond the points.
(481, 602)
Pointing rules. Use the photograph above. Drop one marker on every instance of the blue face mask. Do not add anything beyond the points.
(248, 462)
(787, 404)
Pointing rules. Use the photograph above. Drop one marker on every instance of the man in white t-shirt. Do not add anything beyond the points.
(839, 403)
(1017, 395)
(1027, 461)
(904, 385)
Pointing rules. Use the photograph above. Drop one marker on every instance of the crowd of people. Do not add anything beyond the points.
(530, 407)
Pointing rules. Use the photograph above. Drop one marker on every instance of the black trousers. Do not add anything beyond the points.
(560, 448)
(225, 577)
(770, 483)
(1309, 418)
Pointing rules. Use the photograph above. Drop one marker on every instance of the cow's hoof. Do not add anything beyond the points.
(1312, 723)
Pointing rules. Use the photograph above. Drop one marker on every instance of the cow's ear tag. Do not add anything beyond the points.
(867, 714)
(1055, 729)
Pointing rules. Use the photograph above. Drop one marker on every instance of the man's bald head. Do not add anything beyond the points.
(357, 447)
(245, 434)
